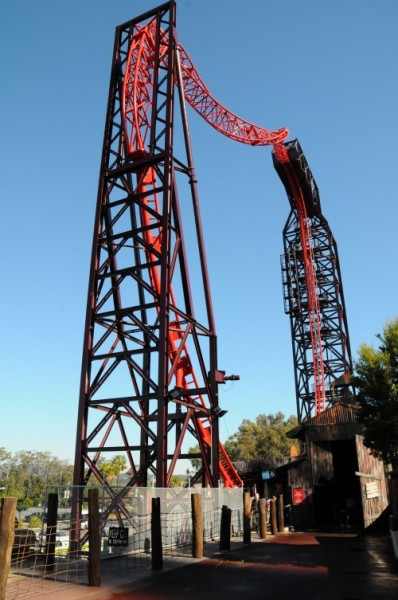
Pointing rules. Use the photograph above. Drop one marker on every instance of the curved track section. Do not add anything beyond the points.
(138, 86)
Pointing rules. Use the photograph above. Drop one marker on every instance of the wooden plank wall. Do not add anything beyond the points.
(321, 460)
(300, 477)
(372, 481)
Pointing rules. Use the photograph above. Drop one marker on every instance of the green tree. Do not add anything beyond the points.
(376, 379)
(27, 473)
(265, 439)
(5, 469)
(119, 464)
(176, 481)
(195, 462)
(112, 468)
(106, 468)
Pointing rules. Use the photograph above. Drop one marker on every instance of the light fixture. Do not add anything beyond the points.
(175, 394)
(218, 412)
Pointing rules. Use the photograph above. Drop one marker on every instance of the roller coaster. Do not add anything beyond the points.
(150, 372)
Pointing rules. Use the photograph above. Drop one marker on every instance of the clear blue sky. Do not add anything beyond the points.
(326, 69)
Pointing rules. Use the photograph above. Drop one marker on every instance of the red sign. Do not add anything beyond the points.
(298, 495)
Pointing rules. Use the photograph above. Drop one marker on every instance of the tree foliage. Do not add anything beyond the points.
(176, 481)
(35, 521)
(26, 474)
(265, 439)
(376, 379)
(195, 462)
(112, 468)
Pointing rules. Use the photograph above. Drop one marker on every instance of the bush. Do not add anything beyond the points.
(35, 521)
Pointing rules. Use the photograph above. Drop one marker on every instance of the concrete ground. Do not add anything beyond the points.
(320, 566)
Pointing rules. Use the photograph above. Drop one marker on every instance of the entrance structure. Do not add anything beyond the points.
(336, 482)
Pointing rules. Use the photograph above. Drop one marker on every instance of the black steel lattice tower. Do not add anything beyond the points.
(336, 351)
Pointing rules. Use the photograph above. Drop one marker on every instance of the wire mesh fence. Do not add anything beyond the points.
(36, 566)
(34, 570)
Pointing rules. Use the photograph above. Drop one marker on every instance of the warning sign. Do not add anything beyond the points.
(118, 536)
(372, 489)
(297, 495)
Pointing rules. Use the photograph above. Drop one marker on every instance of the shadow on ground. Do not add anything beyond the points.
(296, 565)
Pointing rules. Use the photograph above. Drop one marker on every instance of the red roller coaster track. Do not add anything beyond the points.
(137, 105)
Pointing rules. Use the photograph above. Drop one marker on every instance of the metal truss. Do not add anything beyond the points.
(149, 383)
(333, 321)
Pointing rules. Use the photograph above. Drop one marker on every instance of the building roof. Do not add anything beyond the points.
(341, 412)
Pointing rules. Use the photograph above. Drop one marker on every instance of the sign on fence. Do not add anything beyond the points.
(118, 536)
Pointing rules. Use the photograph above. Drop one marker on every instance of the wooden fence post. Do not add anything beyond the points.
(7, 532)
(281, 515)
(246, 518)
(262, 513)
(156, 535)
(52, 511)
(274, 528)
(225, 528)
(94, 539)
(197, 526)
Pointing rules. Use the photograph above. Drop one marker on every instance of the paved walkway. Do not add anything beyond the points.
(295, 565)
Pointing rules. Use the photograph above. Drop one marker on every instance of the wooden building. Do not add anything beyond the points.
(335, 482)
